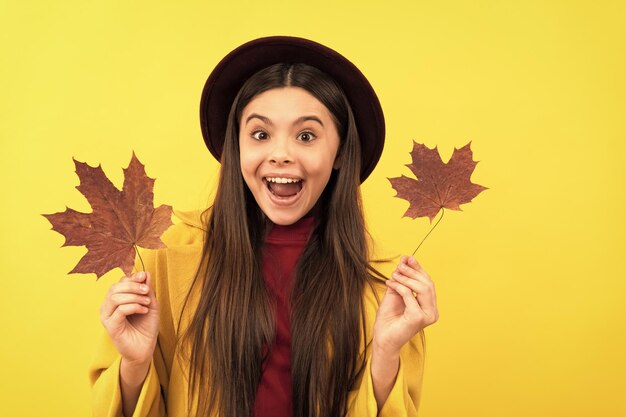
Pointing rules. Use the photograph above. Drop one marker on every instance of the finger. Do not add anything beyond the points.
(412, 308)
(124, 286)
(412, 262)
(125, 310)
(410, 267)
(422, 275)
(128, 286)
(415, 284)
(140, 276)
(132, 277)
(118, 299)
(106, 309)
(144, 278)
(412, 275)
(425, 293)
(390, 288)
(410, 272)
(148, 282)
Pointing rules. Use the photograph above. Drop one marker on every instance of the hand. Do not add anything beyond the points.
(401, 315)
(130, 314)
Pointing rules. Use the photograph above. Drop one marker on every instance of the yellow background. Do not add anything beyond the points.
(530, 275)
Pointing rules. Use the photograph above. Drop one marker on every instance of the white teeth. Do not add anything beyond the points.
(282, 180)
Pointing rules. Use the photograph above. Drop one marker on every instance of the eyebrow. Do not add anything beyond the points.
(297, 121)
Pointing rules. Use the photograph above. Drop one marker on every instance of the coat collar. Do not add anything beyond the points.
(194, 218)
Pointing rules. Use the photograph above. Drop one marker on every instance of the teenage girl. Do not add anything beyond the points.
(267, 303)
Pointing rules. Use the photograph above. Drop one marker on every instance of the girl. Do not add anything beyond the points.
(266, 303)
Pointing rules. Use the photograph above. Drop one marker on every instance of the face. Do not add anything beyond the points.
(288, 146)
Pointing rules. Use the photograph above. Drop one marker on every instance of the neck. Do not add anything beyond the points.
(300, 230)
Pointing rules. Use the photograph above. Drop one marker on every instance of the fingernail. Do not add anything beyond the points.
(144, 288)
(141, 275)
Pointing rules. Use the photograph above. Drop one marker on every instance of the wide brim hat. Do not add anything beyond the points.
(235, 68)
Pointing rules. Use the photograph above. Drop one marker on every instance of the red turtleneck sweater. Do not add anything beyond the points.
(283, 247)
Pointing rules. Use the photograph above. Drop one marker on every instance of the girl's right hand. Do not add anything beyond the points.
(130, 314)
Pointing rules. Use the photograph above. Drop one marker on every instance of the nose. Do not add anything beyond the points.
(280, 153)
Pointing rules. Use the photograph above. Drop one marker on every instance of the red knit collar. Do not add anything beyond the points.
(296, 232)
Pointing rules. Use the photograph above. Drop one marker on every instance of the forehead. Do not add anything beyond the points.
(286, 103)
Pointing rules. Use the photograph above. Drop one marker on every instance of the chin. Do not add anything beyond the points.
(283, 219)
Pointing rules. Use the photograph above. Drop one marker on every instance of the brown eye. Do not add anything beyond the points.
(259, 138)
(307, 136)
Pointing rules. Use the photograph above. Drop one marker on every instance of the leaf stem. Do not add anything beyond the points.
(138, 254)
(433, 228)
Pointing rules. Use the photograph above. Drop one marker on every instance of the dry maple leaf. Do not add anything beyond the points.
(120, 221)
(438, 185)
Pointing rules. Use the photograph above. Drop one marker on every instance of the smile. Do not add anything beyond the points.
(284, 191)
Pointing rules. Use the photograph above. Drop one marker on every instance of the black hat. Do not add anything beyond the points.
(235, 68)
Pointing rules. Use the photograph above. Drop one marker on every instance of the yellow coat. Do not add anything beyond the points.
(164, 392)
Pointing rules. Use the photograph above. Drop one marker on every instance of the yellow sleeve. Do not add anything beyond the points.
(405, 395)
(104, 374)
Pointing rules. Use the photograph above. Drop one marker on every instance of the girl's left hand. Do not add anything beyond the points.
(401, 315)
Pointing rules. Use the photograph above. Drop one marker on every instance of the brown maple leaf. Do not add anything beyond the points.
(438, 185)
(120, 221)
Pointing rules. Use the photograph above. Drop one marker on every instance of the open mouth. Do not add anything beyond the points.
(283, 187)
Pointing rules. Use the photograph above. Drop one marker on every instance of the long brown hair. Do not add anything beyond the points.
(234, 318)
